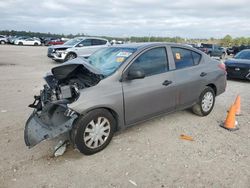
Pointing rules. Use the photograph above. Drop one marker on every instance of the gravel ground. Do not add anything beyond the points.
(150, 154)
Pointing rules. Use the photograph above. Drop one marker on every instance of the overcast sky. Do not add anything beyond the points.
(185, 18)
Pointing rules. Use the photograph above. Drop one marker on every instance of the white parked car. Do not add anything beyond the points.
(79, 46)
(28, 41)
(3, 39)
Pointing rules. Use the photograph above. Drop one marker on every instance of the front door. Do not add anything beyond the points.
(152, 95)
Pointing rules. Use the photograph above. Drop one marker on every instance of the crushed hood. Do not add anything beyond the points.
(71, 68)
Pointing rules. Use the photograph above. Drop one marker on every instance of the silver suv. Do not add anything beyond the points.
(116, 87)
(79, 46)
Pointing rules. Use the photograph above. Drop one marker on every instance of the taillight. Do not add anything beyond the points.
(222, 66)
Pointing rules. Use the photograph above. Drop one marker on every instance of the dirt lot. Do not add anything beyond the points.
(147, 155)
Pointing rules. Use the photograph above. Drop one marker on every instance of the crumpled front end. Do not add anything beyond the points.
(51, 116)
(47, 124)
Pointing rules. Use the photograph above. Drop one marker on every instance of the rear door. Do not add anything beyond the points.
(189, 75)
(97, 44)
(83, 48)
(152, 95)
(90, 46)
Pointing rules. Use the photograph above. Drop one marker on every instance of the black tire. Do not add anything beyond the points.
(35, 44)
(78, 133)
(2, 42)
(20, 43)
(70, 56)
(198, 109)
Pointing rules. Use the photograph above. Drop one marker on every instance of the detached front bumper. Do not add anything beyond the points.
(48, 124)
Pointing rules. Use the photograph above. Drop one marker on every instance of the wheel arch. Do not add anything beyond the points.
(113, 113)
(72, 52)
(213, 86)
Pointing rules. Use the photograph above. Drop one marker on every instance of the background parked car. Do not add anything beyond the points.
(28, 41)
(13, 39)
(239, 65)
(213, 50)
(79, 46)
(55, 42)
(3, 39)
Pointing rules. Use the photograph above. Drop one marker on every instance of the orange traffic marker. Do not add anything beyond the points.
(237, 105)
(230, 122)
(185, 137)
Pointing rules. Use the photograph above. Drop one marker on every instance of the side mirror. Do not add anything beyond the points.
(80, 45)
(135, 74)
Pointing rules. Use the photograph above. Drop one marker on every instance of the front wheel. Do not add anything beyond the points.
(2, 42)
(93, 131)
(70, 56)
(206, 102)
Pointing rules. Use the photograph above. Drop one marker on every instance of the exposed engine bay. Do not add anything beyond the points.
(51, 116)
(64, 83)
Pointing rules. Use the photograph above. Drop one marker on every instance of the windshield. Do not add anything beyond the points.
(73, 42)
(108, 60)
(243, 55)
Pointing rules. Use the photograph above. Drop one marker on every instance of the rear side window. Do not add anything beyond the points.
(86, 42)
(152, 62)
(96, 42)
(185, 58)
(196, 57)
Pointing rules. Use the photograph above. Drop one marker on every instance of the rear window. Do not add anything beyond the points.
(96, 42)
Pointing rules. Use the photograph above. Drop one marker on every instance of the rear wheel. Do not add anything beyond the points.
(70, 56)
(206, 102)
(36, 44)
(20, 43)
(93, 131)
(2, 42)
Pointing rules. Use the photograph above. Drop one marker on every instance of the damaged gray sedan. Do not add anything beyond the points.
(90, 99)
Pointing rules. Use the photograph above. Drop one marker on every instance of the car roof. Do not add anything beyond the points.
(91, 38)
(148, 45)
(245, 50)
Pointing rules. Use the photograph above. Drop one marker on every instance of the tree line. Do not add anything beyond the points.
(226, 41)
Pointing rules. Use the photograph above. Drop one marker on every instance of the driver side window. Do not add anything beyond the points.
(153, 61)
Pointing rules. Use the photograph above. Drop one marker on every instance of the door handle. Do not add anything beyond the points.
(167, 82)
(203, 74)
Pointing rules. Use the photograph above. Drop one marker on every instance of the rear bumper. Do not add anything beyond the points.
(41, 126)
